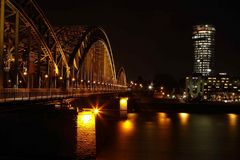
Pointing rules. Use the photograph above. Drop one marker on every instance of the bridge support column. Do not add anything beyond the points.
(2, 10)
(123, 107)
(67, 77)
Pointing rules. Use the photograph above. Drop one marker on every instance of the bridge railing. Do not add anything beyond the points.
(22, 94)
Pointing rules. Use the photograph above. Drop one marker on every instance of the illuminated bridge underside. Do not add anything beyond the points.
(34, 55)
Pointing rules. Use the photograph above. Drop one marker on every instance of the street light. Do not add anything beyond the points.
(95, 111)
(150, 87)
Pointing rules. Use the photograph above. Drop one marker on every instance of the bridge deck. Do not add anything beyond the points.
(11, 95)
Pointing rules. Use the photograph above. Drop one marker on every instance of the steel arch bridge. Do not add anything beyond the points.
(35, 56)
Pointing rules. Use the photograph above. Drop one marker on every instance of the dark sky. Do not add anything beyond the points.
(150, 37)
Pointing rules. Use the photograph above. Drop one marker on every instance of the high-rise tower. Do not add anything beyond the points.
(204, 44)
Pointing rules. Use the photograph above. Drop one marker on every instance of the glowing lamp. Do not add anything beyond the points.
(123, 103)
(150, 87)
(95, 111)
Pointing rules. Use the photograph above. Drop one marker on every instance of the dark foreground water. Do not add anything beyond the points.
(146, 136)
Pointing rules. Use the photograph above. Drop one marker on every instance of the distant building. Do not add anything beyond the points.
(221, 87)
(194, 86)
(204, 44)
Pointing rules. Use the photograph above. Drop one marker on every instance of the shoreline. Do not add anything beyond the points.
(197, 107)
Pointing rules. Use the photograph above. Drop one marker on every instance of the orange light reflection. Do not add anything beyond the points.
(233, 119)
(163, 119)
(127, 126)
(184, 117)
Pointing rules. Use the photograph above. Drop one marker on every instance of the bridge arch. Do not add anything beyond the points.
(121, 77)
(90, 59)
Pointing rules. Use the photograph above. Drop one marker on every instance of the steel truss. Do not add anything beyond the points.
(36, 55)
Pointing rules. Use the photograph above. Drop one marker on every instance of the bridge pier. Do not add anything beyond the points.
(123, 107)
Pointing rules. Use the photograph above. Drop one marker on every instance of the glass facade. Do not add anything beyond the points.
(204, 44)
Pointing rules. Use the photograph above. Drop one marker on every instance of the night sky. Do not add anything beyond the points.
(151, 37)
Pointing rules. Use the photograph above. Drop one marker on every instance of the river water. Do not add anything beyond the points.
(142, 136)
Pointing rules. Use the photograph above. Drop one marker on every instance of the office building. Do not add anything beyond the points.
(220, 87)
(204, 44)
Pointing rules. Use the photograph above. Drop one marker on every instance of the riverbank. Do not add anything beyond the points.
(139, 103)
(156, 105)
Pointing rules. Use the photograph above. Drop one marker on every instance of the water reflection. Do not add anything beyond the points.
(233, 130)
(123, 114)
(142, 136)
(86, 137)
(127, 126)
(184, 118)
(232, 119)
(163, 119)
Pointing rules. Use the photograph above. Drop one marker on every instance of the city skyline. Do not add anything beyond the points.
(156, 33)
